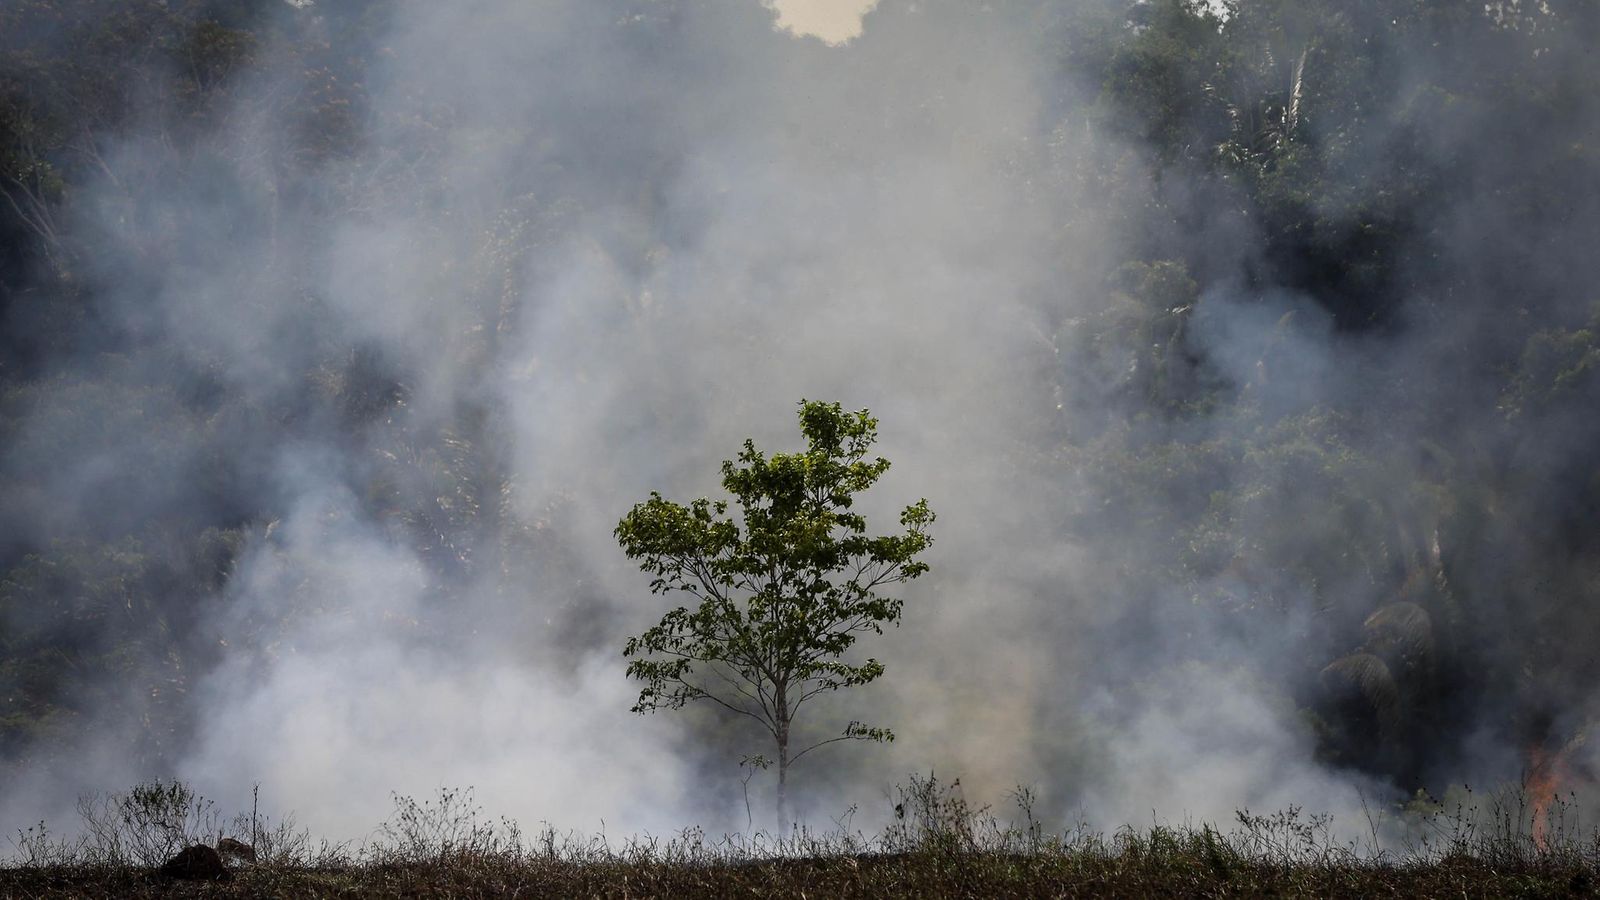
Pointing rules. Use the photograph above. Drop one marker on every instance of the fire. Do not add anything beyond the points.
(1549, 774)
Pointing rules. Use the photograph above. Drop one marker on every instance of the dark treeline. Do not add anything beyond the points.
(1326, 395)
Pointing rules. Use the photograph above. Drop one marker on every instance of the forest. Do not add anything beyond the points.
(1249, 351)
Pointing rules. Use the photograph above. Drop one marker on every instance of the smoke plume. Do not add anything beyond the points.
(428, 294)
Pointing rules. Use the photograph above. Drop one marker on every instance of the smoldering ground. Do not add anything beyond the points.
(570, 252)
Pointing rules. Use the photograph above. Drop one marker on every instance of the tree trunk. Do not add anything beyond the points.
(783, 762)
(783, 791)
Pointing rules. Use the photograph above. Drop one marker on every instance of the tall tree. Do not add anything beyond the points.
(780, 595)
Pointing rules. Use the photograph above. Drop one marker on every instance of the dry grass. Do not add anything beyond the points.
(938, 846)
(1177, 872)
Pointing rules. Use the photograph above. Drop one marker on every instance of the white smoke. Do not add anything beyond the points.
(630, 238)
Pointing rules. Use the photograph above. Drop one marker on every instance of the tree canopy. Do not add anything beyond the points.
(782, 592)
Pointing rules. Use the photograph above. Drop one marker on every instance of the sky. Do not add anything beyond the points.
(834, 21)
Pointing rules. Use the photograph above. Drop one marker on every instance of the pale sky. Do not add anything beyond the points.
(835, 21)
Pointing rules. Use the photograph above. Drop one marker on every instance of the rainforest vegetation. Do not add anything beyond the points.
(1311, 370)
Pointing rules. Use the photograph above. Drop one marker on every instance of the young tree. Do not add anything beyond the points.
(782, 594)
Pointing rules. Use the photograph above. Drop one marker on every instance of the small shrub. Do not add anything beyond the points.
(449, 828)
(147, 825)
(37, 847)
(932, 817)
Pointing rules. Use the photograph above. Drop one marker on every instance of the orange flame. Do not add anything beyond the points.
(1548, 776)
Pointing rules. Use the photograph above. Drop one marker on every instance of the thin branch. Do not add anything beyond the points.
(702, 692)
(740, 689)
(39, 218)
(843, 737)
(822, 688)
